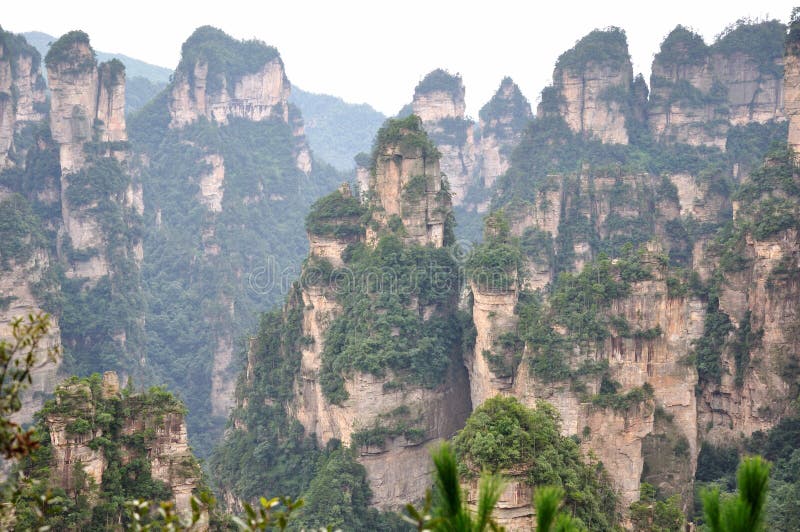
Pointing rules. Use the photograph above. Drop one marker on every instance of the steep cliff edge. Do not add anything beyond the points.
(220, 78)
(750, 377)
(699, 91)
(102, 445)
(591, 88)
(22, 91)
(389, 408)
(228, 179)
(791, 84)
(439, 102)
(99, 240)
(29, 185)
(373, 317)
(502, 122)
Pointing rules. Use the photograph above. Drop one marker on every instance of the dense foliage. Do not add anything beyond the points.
(64, 51)
(378, 329)
(440, 80)
(227, 58)
(407, 133)
(20, 231)
(717, 466)
(336, 215)
(682, 46)
(654, 515)
(199, 290)
(503, 435)
(104, 421)
(575, 311)
(600, 47)
(500, 106)
(268, 450)
(495, 263)
(763, 41)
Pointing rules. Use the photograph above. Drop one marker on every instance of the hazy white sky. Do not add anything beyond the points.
(377, 51)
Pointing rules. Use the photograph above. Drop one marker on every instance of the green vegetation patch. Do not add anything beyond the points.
(383, 292)
(65, 51)
(103, 424)
(21, 231)
(406, 133)
(608, 46)
(440, 80)
(682, 46)
(227, 58)
(336, 215)
(763, 41)
(502, 435)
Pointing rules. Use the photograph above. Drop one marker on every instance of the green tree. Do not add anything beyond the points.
(745, 512)
(649, 513)
(18, 356)
(450, 513)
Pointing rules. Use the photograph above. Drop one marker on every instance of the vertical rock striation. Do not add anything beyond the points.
(592, 85)
(439, 102)
(22, 91)
(698, 91)
(502, 122)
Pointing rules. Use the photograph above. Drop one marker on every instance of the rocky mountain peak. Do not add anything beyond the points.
(219, 77)
(698, 91)
(22, 90)
(440, 95)
(503, 120)
(592, 83)
(406, 182)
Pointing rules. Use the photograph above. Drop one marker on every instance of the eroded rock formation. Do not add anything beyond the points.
(132, 426)
(439, 102)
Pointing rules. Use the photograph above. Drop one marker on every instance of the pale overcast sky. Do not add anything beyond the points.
(377, 51)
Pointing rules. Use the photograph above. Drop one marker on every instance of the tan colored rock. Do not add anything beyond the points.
(513, 511)
(111, 102)
(73, 103)
(586, 107)
(211, 183)
(493, 313)
(69, 449)
(502, 123)
(729, 89)
(22, 92)
(423, 210)
(443, 115)
(791, 94)
(257, 96)
(17, 284)
(728, 410)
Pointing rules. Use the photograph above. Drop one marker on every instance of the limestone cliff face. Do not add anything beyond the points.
(247, 81)
(87, 107)
(502, 122)
(591, 90)
(439, 102)
(254, 96)
(618, 436)
(22, 90)
(398, 468)
(77, 418)
(16, 287)
(699, 91)
(407, 184)
(73, 80)
(791, 89)
(764, 298)
(405, 196)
